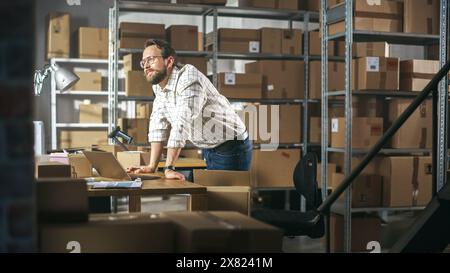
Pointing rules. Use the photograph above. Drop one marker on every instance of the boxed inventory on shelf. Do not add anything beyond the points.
(421, 16)
(136, 84)
(199, 62)
(93, 43)
(275, 73)
(134, 35)
(143, 110)
(374, 49)
(416, 74)
(271, 4)
(417, 130)
(367, 190)
(91, 113)
(89, 81)
(383, 15)
(132, 62)
(183, 37)
(335, 48)
(236, 40)
(331, 170)
(365, 132)
(81, 138)
(240, 86)
(376, 73)
(281, 41)
(336, 78)
(58, 35)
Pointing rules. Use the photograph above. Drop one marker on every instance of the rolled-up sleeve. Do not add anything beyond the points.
(159, 125)
(190, 102)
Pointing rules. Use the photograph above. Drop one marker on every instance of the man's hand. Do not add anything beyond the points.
(169, 174)
(137, 170)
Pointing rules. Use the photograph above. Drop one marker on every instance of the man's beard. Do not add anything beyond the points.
(158, 76)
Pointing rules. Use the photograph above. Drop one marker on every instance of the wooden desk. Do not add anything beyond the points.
(197, 199)
(186, 163)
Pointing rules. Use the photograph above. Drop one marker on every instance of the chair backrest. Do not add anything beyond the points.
(305, 180)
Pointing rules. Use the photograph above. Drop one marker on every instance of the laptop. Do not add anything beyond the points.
(107, 166)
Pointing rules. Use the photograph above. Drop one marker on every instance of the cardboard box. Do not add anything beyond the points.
(407, 181)
(370, 106)
(133, 42)
(365, 132)
(240, 86)
(229, 198)
(275, 73)
(421, 16)
(311, 5)
(134, 35)
(53, 170)
(375, 49)
(367, 190)
(373, 168)
(137, 85)
(61, 200)
(58, 35)
(383, 15)
(78, 139)
(236, 40)
(199, 62)
(271, 40)
(287, 4)
(143, 110)
(114, 149)
(336, 78)
(364, 229)
(376, 73)
(417, 130)
(315, 129)
(93, 43)
(416, 74)
(315, 45)
(132, 62)
(266, 4)
(136, 128)
(331, 171)
(91, 113)
(80, 166)
(113, 234)
(291, 42)
(222, 231)
(133, 158)
(222, 178)
(289, 123)
(89, 81)
(183, 37)
(274, 168)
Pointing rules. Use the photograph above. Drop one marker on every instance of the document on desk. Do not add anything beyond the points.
(117, 185)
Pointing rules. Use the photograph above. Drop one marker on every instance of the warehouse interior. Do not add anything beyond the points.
(341, 162)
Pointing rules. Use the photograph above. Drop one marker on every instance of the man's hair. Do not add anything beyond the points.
(166, 49)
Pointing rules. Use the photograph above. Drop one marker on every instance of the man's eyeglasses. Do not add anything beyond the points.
(149, 59)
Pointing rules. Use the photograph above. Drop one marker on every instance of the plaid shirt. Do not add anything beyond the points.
(191, 109)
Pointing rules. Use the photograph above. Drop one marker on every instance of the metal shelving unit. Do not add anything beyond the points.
(344, 12)
(55, 94)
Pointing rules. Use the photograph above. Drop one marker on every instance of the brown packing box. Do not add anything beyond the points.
(288, 123)
(133, 42)
(236, 40)
(92, 43)
(58, 35)
(222, 231)
(287, 4)
(315, 130)
(315, 45)
(275, 73)
(110, 234)
(364, 229)
(222, 178)
(336, 78)
(199, 62)
(131, 62)
(91, 113)
(229, 198)
(271, 40)
(240, 86)
(372, 169)
(89, 81)
(183, 37)
(133, 158)
(205, 2)
(53, 170)
(274, 168)
(114, 149)
(375, 49)
(291, 43)
(79, 139)
(137, 85)
(136, 128)
(407, 181)
(143, 110)
(149, 31)
(366, 132)
(62, 200)
(370, 106)
(367, 190)
(311, 5)
(81, 167)
(386, 16)
(268, 4)
(331, 171)
(421, 16)
(416, 74)
(376, 73)
(417, 130)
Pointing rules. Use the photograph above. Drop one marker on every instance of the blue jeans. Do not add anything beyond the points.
(233, 155)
